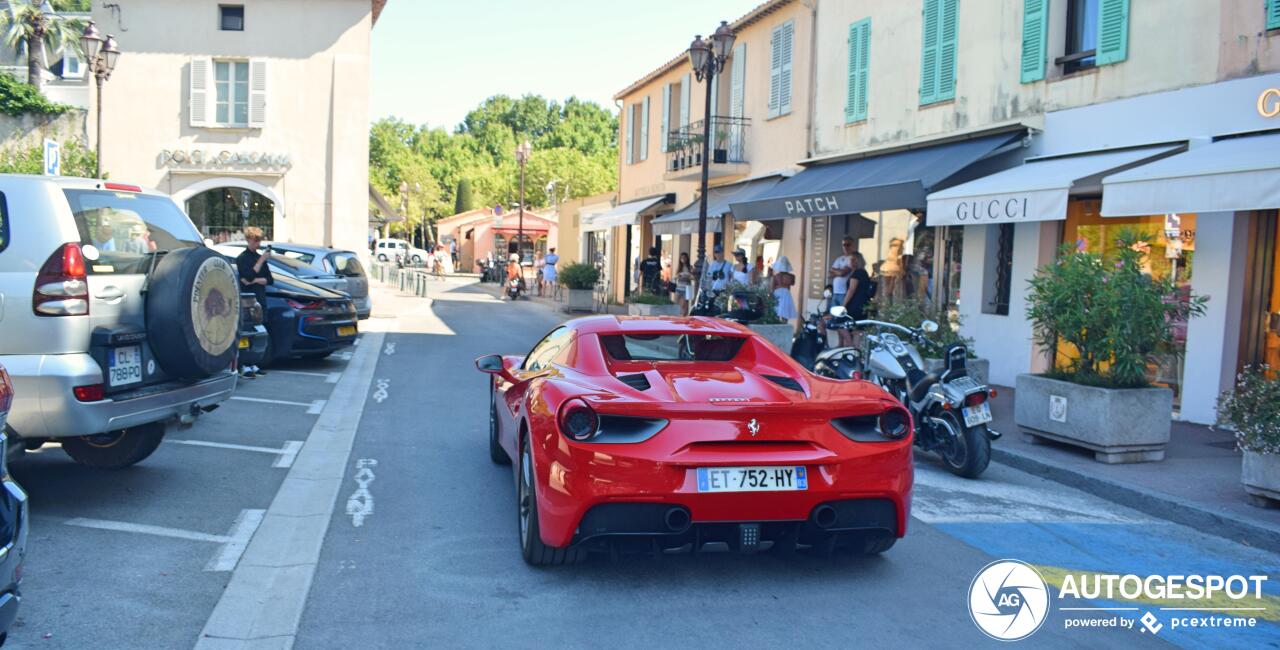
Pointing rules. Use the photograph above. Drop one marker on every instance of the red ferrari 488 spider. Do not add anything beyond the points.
(661, 433)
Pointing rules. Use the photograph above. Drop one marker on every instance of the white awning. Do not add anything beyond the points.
(624, 215)
(1225, 176)
(1035, 191)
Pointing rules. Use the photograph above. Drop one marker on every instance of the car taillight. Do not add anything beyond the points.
(578, 420)
(894, 424)
(62, 285)
(974, 399)
(91, 393)
(305, 306)
(6, 390)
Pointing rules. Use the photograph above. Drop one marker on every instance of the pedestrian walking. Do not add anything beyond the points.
(783, 279)
(255, 275)
(684, 283)
(549, 274)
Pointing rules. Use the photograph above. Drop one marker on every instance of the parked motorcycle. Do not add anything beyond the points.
(951, 410)
(809, 346)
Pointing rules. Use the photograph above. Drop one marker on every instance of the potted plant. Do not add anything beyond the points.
(1253, 410)
(649, 304)
(910, 312)
(1107, 321)
(719, 149)
(772, 327)
(579, 280)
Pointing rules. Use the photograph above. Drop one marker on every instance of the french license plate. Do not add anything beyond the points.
(244, 343)
(124, 365)
(975, 415)
(347, 330)
(752, 479)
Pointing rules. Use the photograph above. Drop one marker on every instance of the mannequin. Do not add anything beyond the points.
(891, 272)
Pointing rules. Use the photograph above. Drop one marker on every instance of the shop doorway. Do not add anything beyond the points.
(1260, 324)
(223, 213)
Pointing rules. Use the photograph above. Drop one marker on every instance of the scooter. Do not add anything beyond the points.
(515, 287)
(951, 410)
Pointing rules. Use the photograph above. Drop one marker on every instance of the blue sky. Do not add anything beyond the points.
(434, 60)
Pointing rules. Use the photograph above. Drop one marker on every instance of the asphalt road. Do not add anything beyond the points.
(420, 548)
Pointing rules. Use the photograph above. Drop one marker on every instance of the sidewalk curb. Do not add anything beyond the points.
(1149, 502)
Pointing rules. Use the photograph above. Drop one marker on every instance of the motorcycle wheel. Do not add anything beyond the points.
(969, 453)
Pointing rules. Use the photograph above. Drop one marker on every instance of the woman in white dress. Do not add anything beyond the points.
(783, 280)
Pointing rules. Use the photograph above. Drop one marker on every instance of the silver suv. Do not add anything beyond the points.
(115, 318)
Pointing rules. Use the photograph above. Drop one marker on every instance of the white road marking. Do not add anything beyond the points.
(390, 349)
(300, 372)
(233, 543)
(241, 532)
(267, 591)
(345, 355)
(316, 407)
(360, 503)
(941, 497)
(381, 394)
(271, 401)
(285, 454)
(333, 378)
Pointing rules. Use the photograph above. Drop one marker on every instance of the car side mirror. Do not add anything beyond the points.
(929, 326)
(496, 364)
(839, 311)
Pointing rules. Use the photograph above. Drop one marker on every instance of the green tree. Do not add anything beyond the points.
(76, 160)
(26, 23)
(466, 199)
(79, 6)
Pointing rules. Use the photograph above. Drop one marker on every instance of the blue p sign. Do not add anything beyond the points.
(52, 158)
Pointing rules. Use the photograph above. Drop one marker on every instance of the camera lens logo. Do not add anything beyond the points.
(1008, 600)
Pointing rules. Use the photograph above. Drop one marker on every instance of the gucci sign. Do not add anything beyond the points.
(1269, 102)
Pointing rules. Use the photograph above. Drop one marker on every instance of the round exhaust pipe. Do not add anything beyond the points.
(677, 520)
(824, 516)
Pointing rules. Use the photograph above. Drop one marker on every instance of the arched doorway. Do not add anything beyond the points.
(223, 213)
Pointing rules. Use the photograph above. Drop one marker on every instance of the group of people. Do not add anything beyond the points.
(546, 276)
(717, 277)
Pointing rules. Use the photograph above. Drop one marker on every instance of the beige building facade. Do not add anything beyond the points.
(248, 113)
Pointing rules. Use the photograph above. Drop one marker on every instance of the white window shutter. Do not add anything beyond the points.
(686, 92)
(200, 89)
(257, 93)
(630, 128)
(784, 71)
(665, 135)
(737, 79)
(775, 72)
(644, 129)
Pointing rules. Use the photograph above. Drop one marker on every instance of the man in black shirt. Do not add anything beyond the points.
(651, 273)
(255, 275)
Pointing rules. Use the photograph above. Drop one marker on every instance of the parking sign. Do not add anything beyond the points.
(52, 158)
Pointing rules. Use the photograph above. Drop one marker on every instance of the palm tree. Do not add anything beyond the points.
(38, 26)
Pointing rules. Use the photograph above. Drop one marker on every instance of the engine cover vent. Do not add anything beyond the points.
(637, 381)
(785, 382)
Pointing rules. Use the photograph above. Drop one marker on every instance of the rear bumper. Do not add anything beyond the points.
(870, 487)
(13, 507)
(324, 335)
(364, 307)
(257, 339)
(45, 407)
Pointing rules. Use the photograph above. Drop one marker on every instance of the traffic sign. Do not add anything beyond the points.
(52, 158)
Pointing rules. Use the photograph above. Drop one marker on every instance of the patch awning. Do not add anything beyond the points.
(1225, 176)
(892, 181)
(1035, 191)
(685, 220)
(624, 215)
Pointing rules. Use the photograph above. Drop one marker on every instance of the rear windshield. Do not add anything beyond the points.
(345, 264)
(671, 347)
(120, 230)
(304, 258)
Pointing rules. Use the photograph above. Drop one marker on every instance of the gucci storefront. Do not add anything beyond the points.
(1200, 185)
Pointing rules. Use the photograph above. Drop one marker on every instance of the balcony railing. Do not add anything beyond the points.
(728, 143)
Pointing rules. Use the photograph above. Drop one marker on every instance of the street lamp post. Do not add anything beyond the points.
(101, 55)
(707, 58)
(522, 157)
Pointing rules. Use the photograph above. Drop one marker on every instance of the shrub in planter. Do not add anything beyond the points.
(649, 304)
(1253, 410)
(580, 279)
(1117, 322)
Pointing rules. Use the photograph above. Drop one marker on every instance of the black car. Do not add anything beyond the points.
(13, 520)
(307, 321)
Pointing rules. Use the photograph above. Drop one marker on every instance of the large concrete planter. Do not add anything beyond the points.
(640, 309)
(979, 369)
(1128, 425)
(578, 299)
(1260, 475)
(778, 334)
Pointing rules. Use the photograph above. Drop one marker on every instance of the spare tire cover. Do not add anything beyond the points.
(193, 312)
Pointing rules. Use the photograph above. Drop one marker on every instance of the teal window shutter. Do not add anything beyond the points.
(1273, 14)
(929, 53)
(1113, 31)
(1035, 32)
(644, 129)
(664, 136)
(948, 27)
(855, 108)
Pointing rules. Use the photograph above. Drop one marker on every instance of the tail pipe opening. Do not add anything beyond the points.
(824, 516)
(677, 520)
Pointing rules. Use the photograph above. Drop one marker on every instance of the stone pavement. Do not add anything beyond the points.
(1197, 484)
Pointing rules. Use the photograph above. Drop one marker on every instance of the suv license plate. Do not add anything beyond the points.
(752, 479)
(975, 415)
(347, 330)
(124, 365)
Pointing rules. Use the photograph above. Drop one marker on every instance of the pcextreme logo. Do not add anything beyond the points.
(1008, 600)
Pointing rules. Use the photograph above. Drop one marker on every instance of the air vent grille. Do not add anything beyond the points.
(637, 381)
(785, 382)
